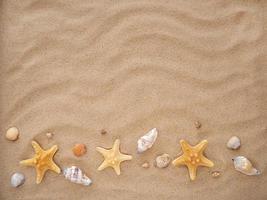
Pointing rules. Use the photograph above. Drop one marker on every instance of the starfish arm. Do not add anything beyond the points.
(52, 150)
(178, 161)
(123, 157)
(116, 145)
(28, 162)
(40, 175)
(53, 166)
(185, 146)
(103, 151)
(200, 147)
(117, 169)
(103, 166)
(206, 162)
(192, 172)
(36, 147)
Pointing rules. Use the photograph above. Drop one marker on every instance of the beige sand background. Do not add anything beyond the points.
(76, 67)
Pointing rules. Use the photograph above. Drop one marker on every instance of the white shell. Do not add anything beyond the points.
(162, 161)
(17, 179)
(12, 134)
(146, 141)
(233, 143)
(75, 175)
(243, 165)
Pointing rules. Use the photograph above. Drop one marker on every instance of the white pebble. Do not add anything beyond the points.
(12, 134)
(233, 143)
(17, 179)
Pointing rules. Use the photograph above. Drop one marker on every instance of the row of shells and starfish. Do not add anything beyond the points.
(192, 157)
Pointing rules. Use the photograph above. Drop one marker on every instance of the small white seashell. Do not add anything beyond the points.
(233, 143)
(243, 165)
(12, 134)
(146, 141)
(162, 161)
(75, 175)
(17, 179)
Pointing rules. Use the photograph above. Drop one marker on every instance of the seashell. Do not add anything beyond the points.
(17, 179)
(233, 143)
(75, 175)
(12, 134)
(79, 150)
(243, 165)
(162, 161)
(145, 165)
(146, 142)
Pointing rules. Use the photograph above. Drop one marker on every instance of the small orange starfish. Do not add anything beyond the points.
(113, 157)
(193, 157)
(42, 161)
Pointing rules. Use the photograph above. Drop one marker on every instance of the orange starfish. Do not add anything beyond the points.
(193, 157)
(42, 161)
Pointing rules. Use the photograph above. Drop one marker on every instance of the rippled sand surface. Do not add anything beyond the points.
(76, 67)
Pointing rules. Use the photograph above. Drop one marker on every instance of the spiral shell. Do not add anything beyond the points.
(243, 165)
(146, 142)
(75, 175)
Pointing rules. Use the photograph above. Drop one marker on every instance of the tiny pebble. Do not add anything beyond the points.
(197, 124)
(17, 179)
(49, 135)
(233, 143)
(12, 134)
(145, 165)
(103, 132)
(215, 174)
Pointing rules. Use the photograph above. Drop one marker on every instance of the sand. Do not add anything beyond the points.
(75, 67)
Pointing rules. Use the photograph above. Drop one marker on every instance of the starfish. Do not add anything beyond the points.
(42, 161)
(193, 157)
(113, 157)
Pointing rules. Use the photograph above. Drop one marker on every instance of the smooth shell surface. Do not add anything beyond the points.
(146, 142)
(234, 143)
(162, 161)
(75, 175)
(17, 179)
(79, 149)
(12, 134)
(243, 165)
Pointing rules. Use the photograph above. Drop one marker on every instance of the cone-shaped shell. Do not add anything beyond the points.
(75, 175)
(146, 142)
(243, 165)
